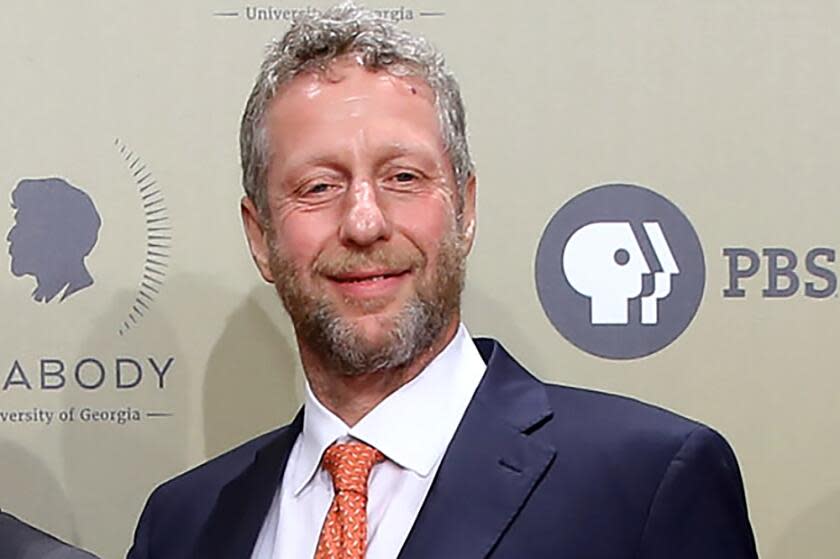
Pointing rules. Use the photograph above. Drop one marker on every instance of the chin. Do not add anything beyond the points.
(18, 270)
(375, 328)
(371, 308)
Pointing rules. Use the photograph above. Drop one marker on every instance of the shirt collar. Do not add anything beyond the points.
(412, 427)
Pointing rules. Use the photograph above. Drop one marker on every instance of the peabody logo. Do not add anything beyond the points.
(620, 271)
(56, 227)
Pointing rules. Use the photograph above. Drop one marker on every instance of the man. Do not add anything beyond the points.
(19, 540)
(415, 441)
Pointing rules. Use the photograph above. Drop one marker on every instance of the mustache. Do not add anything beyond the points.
(347, 261)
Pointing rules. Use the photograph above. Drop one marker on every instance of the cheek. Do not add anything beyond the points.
(427, 224)
(300, 237)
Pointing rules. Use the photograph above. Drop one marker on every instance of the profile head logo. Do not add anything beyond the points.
(620, 271)
(56, 227)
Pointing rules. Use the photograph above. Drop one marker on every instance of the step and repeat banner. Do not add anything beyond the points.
(659, 216)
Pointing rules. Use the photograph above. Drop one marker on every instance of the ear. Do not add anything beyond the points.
(468, 215)
(257, 234)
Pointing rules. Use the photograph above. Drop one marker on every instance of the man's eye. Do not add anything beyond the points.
(318, 188)
(405, 177)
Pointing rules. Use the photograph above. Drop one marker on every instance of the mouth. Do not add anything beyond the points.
(369, 283)
(367, 276)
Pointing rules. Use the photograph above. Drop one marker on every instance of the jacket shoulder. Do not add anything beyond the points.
(638, 434)
(177, 510)
(208, 478)
(602, 410)
(594, 421)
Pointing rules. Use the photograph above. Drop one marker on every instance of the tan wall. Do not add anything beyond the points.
(728, 108)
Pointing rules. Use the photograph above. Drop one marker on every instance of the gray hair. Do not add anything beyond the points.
(311, 44)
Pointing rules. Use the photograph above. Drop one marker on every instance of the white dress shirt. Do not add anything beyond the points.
(412, 427)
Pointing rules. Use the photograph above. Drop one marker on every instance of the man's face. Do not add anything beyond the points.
(361, 236)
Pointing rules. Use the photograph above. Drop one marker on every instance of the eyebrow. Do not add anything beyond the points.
(399, 150)
(387, 153)
(417, 150)
(313, 161)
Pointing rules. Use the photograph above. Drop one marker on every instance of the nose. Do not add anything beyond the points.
(11, 233)
(364, 221)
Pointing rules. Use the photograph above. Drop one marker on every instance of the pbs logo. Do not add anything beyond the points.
(620, 271)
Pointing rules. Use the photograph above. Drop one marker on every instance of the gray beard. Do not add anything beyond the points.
(413, 331)
(418, 325)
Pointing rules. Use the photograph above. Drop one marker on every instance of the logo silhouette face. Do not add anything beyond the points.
(604, 262)
(56, 227)
(620, 271)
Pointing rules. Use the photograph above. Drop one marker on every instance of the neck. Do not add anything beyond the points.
(74, 278)
(81, 279)
(351, 397)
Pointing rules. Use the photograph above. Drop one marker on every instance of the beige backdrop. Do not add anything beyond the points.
(728, 108)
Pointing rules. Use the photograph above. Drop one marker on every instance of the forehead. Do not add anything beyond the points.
(347, 96)
(349, 71)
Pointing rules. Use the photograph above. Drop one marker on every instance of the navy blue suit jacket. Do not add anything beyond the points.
(534, 471)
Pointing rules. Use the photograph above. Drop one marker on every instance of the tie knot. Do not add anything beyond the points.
(349, 464)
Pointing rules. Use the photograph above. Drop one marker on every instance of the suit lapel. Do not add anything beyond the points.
(490, 468)
(235, 522)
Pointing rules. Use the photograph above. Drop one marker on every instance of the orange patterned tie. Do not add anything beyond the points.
(344, 534)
